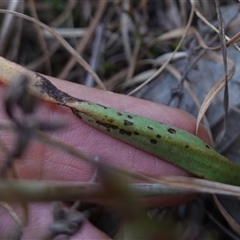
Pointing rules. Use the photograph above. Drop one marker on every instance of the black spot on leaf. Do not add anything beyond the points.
(172, 130)
(128, 123)
(125, 132)
(107, 125)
